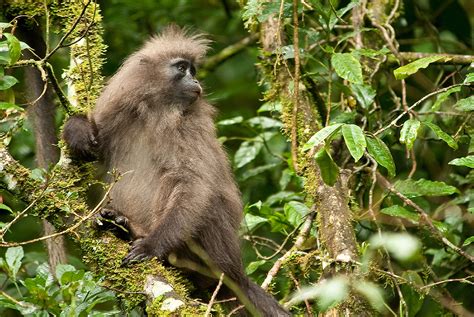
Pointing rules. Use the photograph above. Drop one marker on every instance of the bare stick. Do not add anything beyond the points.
(213, 297)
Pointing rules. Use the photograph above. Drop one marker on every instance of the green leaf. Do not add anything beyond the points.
(413, 299)
(5, 207)
(347, 67)
(466, 104)
(372, 292)
(469, 78)
(251, 222)
(14, 48)
(265, 122)
(5, 25)
(409, 132)
(423, 187)
(7, 82)
(258, 170)
(413, 67)
(319, 137)
(464, 161)
(364, 94)
(7, 105)
(440, 98)
(442, 135)
(399, 211)
(468, 241)
(253, 266)
(328, 293)
(329, 169)
(13, 257)
(247, 153)
(401, 245)
(295, 212)
(381, 154)
(61, 269)
(231, 121)
(355, 140)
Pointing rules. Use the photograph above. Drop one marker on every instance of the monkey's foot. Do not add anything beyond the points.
(138, 252)
(111, 220)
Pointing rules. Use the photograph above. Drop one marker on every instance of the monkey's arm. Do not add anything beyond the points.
(183, 216)
(80, 135)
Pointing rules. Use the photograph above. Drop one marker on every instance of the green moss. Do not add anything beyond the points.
(84, 77)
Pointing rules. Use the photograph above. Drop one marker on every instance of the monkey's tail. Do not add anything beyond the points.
(264, 302)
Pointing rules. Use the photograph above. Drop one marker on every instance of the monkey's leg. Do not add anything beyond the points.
(184, 213)
(80, 135)
(117, 223)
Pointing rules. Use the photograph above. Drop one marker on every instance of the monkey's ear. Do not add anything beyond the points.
(144, 60)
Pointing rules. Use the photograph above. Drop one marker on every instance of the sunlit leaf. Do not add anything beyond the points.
(372, 292)
(347, 67)
(231, 121)
(413, 67)
(258, 170)
(440, 98)
(247, 153)
(5, 207)
(251, 222)
(319, 137)
(61, 269)
(7, 82)
(364, 94)
(399, 211)
(14, 48)
(265, 122)
(466, 104)
(442, 135)
(354, 139)
(469, 78)
(401, 245)
(409, 132)
(295, 212)
(327, 293)
(253, 266)
(468, 241)
(467, 161)
(381, 154)
(13, 257)
(423, 187)
(7, 105)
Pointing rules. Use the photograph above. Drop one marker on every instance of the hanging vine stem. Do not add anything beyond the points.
(294, 119)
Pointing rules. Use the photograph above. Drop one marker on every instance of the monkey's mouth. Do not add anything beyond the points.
(196, 92)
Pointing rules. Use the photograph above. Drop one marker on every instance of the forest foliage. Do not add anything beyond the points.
(348, 125)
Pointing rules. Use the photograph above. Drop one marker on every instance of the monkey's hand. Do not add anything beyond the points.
(80, 135)
(140, 251)
(110, 219)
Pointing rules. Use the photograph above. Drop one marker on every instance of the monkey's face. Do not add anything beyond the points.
(185, 89)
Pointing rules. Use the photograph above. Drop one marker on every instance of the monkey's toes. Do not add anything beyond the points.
(137, 253)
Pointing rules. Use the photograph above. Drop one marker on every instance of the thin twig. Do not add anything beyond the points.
(394, 122)
(69, 229)
(69, 32)
(298, 243)
(424, 217)
(213, 297)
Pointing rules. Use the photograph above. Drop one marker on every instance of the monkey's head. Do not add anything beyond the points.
(168, 61)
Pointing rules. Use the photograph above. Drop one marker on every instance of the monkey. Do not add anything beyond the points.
(152, 123)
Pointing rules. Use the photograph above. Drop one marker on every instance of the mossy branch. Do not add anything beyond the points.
(448, 59)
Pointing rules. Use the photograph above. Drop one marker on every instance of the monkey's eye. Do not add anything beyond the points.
(182, 68)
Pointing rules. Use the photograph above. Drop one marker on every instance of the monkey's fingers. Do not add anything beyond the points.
(137, 253)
